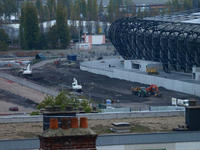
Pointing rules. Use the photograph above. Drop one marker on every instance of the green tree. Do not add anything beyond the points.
(4, 40)
(111, 15)
(21, 29)
(67, 4)
(9, 7)
(94, 10)
(51, 4)
(101, 11)
(1, 9)
(89, 9)
(187, 4)
(46, 13)
(83, 8)
(40, 10)
(52, 41)
(77, 9)
(62, 27)
(29, 27)
(63, 101)
(174, 5)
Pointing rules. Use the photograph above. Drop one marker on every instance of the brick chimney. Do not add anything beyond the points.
(70, 136)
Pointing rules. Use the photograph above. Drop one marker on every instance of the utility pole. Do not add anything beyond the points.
(81, 16)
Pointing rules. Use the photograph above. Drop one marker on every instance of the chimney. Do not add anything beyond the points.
(69, 136)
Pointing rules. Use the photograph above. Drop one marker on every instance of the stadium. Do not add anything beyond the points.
(173, 40)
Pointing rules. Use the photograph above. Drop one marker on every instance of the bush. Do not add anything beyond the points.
(3, 46)
(3, 40)
(64, 101)
(48, 101)
(34, 113)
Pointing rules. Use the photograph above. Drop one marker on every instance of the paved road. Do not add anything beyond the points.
(42, 63)
(29, 84)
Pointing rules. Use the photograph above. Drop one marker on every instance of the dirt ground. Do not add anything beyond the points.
(96, 87)
(138, 125)
(16, 95)
(8, 99)
(99, 87)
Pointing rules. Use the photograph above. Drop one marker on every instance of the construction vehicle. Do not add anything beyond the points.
(26, 71)
(76, 86)
(152, 71)
(139, 91)
(145, 92)
(153, 90)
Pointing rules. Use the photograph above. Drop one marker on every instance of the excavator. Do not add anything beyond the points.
(27, 71)
(139, 91)
(76, 86)
(145, 92)
(153, 90)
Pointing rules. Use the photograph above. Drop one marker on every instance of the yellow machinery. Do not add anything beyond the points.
(151, 71)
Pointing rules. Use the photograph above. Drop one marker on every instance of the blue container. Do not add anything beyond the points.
(72, 57)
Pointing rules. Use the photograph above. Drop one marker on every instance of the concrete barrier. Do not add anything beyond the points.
(146, 114)
(100, 116)
(129, 75)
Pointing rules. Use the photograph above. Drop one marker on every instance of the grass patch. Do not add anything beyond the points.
(100, 129)
(140, 129)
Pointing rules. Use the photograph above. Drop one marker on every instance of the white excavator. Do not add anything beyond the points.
(76, 86)
(26, 71)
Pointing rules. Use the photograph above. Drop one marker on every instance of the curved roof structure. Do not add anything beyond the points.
(174, 43)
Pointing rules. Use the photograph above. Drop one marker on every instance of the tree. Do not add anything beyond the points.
(77, 9)
(52, 38)
(63, 101)
(4, 40)
(130, 7)
(83, 8)
(51, 4)
(40, 10)
(21, 29)
(29, 27)
(111, 11)
(187, 4)
(89, 8)
(94, 10)
(9, 7)
(62, 27)
(101, 11)
(1, 9)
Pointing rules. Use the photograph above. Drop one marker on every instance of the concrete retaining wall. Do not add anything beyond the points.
(100, 116)
(20, 119)
(132, 115)
(175, 85)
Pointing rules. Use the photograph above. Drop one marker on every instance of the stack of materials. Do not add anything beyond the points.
(121, 127)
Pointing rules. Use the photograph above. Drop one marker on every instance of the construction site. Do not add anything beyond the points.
(58, 77)
(141, 82)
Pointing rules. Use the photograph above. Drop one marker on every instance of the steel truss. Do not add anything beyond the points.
(175, 44)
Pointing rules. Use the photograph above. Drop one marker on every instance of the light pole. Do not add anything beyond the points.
(90, 89)
(81, 16)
